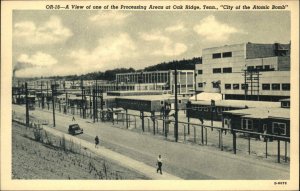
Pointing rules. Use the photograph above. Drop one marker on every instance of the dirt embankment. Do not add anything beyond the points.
(38, 155)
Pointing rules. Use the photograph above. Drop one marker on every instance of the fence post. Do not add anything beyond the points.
(129, 120)
(194, 134)
(166, 129)
(267, 148)
(222, 140)
(219, 138)
(285, 151)
(148, 120)
(126, 118)
(202, 141)
(184, 133)
(278, 147)
(188, 124)
(249, 144)
(234, 141)
(142, 117)
(205, 136)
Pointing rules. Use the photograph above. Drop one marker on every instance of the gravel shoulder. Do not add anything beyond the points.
(49, 159)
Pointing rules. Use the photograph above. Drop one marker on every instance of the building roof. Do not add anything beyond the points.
(151, 97)
(240, 103)
(262, 113)
(207, 96)
(287, 99)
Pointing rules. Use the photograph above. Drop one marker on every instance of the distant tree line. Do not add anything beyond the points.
(110, 75)
(179, 64)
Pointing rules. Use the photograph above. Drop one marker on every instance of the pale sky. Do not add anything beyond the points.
(48, 43)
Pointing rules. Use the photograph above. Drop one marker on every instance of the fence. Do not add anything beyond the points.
(201, 134)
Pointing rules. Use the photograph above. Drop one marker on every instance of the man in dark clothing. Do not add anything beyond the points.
(159, 164)
(96, 142)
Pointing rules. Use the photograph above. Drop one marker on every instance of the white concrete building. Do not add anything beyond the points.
(251, 71)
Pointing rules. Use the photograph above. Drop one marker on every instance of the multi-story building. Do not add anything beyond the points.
(159, 80)
(246, 71)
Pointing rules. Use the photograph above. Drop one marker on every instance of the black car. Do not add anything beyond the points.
(74, 129)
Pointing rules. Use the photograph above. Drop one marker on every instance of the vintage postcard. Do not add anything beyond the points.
(149, 95)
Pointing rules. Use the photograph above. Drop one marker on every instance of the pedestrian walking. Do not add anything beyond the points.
(73, 119)
(159, 164)
(96, 141)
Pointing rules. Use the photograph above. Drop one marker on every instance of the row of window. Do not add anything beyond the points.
(249, 68)
(218, 70)
(276, 86)
(209, 108)
(277, 128)
(225, 70)
(222, 55)
(260, 68)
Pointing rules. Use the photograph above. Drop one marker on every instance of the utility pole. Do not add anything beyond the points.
(82, 100)
(176, 107)
(42, 95)
(27, 106)
(47, 96)
(53, 104)
(195, 83)
(94, 102)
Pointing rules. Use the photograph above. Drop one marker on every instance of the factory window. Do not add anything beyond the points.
(266, 87)
(285, 104)
(250, 68)
(279, 128)
(267, 67)
(244, 86)
(236, 86)
(216, 70)
(227, 70)
(227, 54)
(275, 86)
(200, 71)
(200, 85)
(216, 85)
(179, 101)
(286, 87)
(161, 102)
(247, 124)
(259, 67)
(216, 55)
(227, 86)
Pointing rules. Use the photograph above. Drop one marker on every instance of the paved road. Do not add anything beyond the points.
(116, 157)
(183, 160)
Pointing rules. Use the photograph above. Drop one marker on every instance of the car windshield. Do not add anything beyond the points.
(75, 127)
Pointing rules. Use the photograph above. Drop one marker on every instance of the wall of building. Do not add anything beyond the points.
(222, 70)
(210, 62)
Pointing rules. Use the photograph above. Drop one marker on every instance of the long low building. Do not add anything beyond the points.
(213, 110)
(274, 121)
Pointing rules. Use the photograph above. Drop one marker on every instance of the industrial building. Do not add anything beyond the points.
(159, 80)
(246, 71)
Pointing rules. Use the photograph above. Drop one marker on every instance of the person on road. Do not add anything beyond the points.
(159, 164)
(73, 119)
(96, 141)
